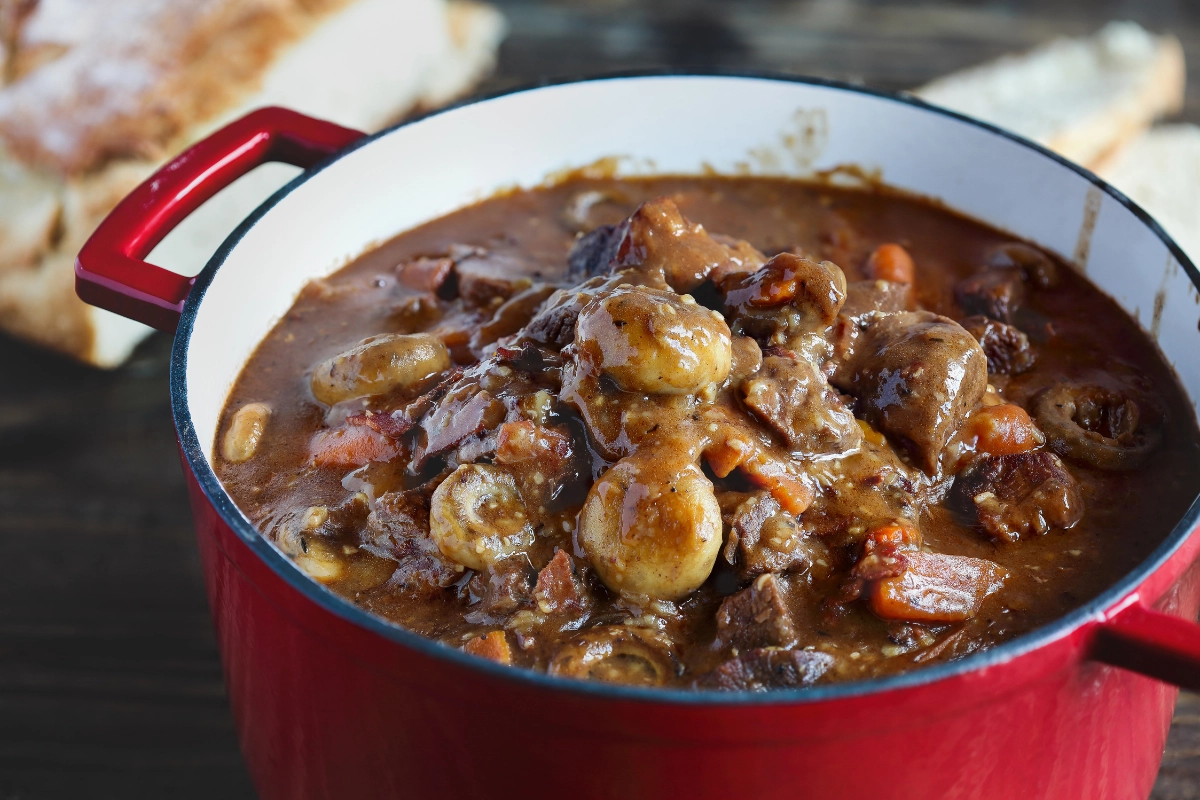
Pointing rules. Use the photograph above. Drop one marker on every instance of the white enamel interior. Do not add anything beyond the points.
(672, 125)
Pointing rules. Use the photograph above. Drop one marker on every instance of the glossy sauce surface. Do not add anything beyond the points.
(614, 471)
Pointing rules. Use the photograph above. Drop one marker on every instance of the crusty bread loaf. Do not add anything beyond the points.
(1080, 97)
(1160, 171)
(99, 94)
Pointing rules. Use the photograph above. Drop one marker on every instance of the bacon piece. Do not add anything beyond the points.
(351, 446)
(558, 589)
(525, 440)
(393, 425)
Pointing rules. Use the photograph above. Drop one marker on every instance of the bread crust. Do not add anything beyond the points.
(1083, 98)
(98, 94)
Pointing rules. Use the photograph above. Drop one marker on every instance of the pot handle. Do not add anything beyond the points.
(1151, 643)
(110, 271)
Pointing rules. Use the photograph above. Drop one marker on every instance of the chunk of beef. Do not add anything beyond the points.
(392, 424)
(765, 538)
(994, 293)
(481, 277)
(868, 297)
(1019, 495)
(595, 251)
(793, 398)
(768, 668)
(1007, 349)
(755, 617)
(917, 377)
(785, 298)
(512, 315)
(462, 413)
(865, 300)
(398, 528)
(1035, 265)
(744, 258)
(554, 323)
(486, 278)
(659, 240)
(433, 275)
(452, 413)
(935, 588)
(505, 588)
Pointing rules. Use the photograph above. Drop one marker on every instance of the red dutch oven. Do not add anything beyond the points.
(331, 702)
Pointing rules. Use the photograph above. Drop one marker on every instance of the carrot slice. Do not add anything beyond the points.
(492, 646)
(1003, 430)
(891, 262)
(937, 588)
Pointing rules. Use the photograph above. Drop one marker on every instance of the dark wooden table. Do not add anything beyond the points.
(109, 680)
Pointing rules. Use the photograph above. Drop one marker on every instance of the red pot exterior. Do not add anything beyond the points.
(329, 709)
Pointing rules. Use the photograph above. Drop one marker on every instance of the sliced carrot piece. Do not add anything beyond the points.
(791, 493)
(891, 262)
(937, 588)
(1003, 430)
(723, 457)
(895, 533)
(492, 646)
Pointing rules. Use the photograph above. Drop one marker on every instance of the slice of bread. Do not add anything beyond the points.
(1082, 98)
(1160, 171)
(99, 94)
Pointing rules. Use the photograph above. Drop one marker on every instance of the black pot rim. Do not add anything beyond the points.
(283, 567)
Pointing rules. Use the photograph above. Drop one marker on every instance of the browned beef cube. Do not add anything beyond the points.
(399, 528)
(506, 587)
(765, 538)
(755, 617)
(1007, 349)
(994, 293)
(793, 398)
(595, 251)
(768, 668)
(917, 376)
(1019, 495)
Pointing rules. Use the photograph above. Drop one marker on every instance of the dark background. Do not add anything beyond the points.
(110, 684)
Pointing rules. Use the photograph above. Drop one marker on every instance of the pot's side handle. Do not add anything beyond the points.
(110, 271)
(1152, 643)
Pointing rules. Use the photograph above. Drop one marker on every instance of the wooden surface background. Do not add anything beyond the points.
(109, 680)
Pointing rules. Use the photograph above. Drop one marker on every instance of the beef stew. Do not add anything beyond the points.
(729, 433)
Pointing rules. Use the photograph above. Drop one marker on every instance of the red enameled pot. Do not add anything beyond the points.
(331, 702)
